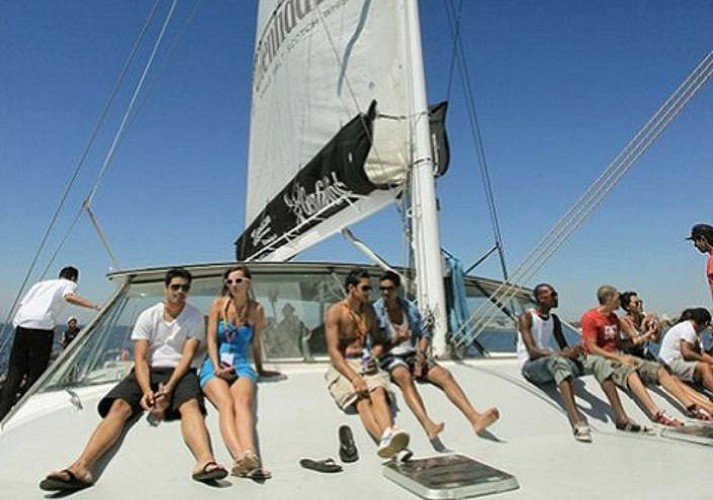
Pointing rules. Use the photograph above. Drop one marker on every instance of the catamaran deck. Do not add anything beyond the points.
(297, 419)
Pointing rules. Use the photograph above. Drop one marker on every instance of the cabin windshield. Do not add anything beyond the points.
(294, 304)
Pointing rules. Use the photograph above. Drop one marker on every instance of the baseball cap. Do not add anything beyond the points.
(701, 230)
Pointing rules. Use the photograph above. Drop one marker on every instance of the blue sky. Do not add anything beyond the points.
(561, 87)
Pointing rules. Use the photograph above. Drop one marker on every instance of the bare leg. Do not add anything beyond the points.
(674, 386)
(195, 433)
(403, 379)
(640, 393)
(102, 439)
(444, 379)
(219, 395)
(609, 388)
(567, 392)
(375, 413)
(705, 373)
(242, 391)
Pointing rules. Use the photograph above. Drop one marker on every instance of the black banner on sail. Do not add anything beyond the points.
(333, 178)
(439, 139)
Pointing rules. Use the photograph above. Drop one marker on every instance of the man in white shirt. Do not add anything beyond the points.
(34, 325)
(166, 338)
(681, 348)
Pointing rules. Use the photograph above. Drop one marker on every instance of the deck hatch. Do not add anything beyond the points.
(449, 476)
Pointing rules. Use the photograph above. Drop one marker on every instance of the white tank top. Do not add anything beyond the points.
(542, 331)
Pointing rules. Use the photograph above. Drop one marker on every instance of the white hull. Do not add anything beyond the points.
(298, 419)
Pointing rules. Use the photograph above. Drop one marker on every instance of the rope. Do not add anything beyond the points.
(585, 205)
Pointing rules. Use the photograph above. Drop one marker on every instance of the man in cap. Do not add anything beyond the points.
(702, 237)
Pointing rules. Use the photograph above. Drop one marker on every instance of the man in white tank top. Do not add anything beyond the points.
(543, 363)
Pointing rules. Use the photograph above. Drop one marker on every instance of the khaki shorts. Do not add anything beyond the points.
(648, 372)
(685, 370)
(342, 390)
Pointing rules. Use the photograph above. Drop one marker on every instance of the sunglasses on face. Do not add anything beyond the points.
(365, 288)
(237, 281)
(387, 288)
(176, 286)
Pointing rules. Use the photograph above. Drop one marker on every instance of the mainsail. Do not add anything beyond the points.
(319, 67)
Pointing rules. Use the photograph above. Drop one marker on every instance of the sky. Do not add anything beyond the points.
(560, 87)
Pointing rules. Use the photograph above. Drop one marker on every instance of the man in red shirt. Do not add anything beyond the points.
(702, 237)
(601, 334)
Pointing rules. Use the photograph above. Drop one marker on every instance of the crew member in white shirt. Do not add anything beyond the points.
(34, 325)
(681, 348)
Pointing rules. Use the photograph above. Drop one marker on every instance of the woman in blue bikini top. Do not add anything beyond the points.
(227, 377)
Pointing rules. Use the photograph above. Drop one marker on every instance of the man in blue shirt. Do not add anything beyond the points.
(407, 340)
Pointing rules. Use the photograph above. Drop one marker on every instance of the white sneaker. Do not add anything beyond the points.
(392, 441)
(403, 456)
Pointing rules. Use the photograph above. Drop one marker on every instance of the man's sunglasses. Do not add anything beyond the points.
(387, 288)
(365, 288)
(176, 286)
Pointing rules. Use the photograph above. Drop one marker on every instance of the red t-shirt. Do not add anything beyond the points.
(603, 329)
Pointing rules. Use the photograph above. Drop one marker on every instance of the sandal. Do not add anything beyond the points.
(328, 465)
(663, 419)
(246, 465)
(71, 483)
(347, 447)
(582, 432)
(699, 413)
(631, 426)
(213, 474)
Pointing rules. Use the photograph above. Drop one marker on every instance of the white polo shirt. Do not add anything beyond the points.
(166, 338)
(43, 304)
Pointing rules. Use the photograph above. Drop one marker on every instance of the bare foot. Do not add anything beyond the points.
(434, 429)
(485, 419)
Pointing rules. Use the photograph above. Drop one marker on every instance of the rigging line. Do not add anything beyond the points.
(460, 61)
(150, 86)
(122, 125)
(81, 162)
(137, 106)
(622, 163)
(456, 37)
(699, 82)
(637, 154)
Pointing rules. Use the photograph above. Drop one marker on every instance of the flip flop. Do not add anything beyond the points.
(73, 483)
(217, 472)
(259, 474)
(328, 465)
(347, 448)
(631, 426)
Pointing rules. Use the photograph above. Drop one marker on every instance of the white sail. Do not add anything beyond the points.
(318, 65)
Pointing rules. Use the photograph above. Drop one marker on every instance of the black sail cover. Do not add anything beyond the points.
(332, 180)
(327, 184)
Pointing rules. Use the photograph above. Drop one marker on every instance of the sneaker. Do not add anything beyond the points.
(392, 441)
(663, 419)
(403, 456)
(582, 432)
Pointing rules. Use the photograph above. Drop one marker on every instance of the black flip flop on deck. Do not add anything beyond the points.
(327, 465)
(347, 448)
(72, 483)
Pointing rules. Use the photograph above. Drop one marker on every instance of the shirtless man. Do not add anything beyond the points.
(354, 378)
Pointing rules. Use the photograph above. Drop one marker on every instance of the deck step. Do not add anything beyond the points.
(449, 476)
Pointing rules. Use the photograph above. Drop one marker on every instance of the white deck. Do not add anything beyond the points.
(298, 419)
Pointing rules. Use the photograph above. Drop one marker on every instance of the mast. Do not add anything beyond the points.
(424, 221)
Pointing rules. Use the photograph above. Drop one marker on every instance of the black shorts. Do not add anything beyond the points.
(128, 390)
